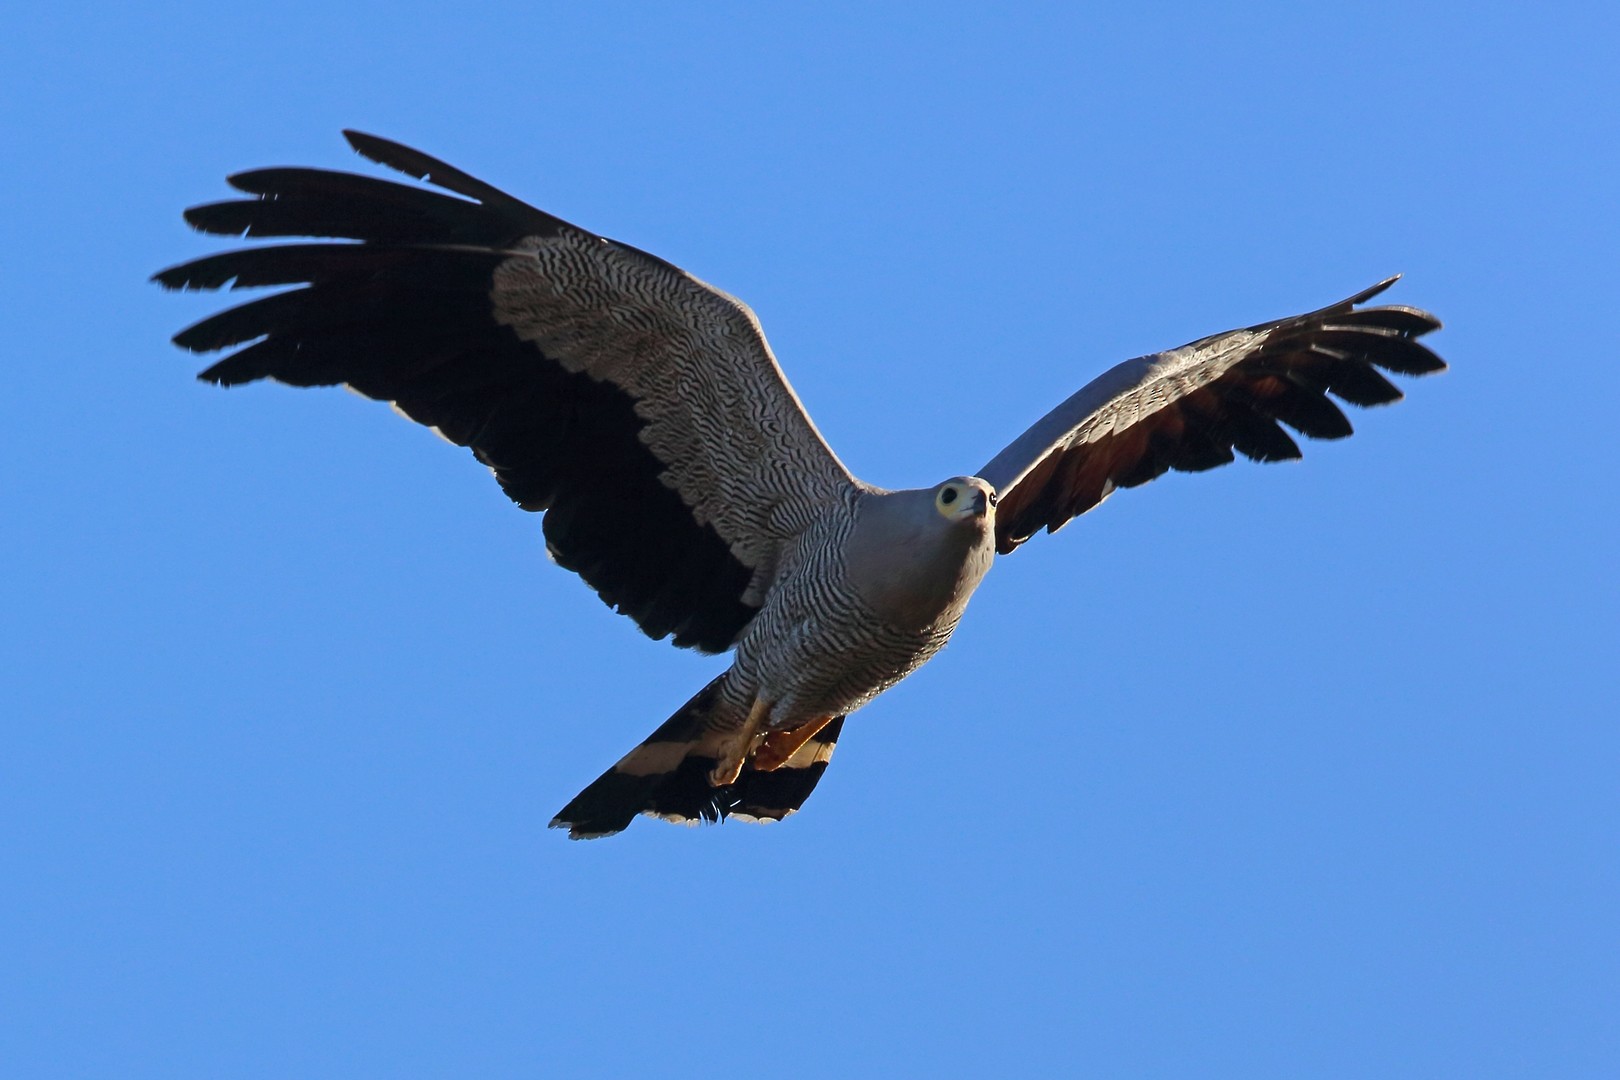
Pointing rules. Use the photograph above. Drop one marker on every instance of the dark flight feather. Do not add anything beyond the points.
(404, 315)
(1286, 378)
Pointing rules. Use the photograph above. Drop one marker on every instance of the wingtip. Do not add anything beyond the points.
(577, 833)
(420, 166)
(228, 218)
(1368, 293)
(194, 217)
(372, 147)
(394, 155)
(182, 277)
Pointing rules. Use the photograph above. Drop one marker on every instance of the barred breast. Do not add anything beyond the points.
(823, 645)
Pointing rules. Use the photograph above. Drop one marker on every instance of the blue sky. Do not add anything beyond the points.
(1296, 770)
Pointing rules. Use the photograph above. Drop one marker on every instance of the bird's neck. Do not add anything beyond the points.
(912, 568)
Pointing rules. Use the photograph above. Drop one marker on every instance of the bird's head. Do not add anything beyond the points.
(966, 499)
(919, 553)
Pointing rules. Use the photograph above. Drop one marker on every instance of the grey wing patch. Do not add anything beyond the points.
(714, 406)
(1191, 408)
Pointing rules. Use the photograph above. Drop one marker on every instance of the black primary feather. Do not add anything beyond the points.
(398, 308)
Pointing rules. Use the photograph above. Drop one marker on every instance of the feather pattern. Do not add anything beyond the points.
(1190, 408)
(640, 409)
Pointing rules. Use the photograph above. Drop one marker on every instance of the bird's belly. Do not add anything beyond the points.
(836, 657)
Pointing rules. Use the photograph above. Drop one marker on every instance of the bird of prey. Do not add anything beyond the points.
(641, 411)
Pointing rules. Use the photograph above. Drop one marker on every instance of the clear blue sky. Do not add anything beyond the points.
(1303, 770)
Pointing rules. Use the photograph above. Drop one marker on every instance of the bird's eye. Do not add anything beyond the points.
(992, 498)
(947, 496)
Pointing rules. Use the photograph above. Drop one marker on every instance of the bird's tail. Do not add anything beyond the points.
(667, 776)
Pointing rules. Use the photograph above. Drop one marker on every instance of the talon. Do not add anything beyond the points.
(778, 746)
(736, 749)
(727, 771)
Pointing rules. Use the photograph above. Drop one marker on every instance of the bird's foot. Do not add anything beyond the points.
(735, 749)
(778, 746)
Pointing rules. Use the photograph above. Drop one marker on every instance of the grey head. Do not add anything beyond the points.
(915, 556)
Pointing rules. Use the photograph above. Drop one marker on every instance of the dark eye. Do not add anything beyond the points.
(992, 498)
(947, 496)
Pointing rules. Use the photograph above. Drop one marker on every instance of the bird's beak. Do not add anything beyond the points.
(981, 504)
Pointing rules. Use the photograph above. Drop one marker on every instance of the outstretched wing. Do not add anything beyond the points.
(638, 407)
(1191, 407)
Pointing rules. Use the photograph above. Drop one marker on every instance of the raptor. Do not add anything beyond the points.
(643, 414)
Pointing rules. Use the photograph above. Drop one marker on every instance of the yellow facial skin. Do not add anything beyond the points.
(964, 498)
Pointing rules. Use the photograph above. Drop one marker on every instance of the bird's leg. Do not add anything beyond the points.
(734, 751)
(781, 745)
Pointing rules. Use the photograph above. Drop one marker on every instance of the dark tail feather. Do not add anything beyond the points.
(667, 776)
(772, 796)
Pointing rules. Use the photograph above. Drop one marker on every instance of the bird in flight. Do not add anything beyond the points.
(642, 413)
